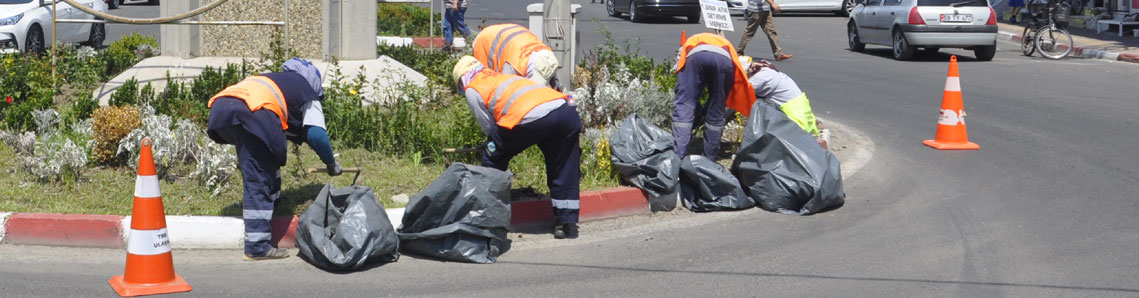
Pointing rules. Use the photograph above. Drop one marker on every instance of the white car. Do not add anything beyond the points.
(25, 25)
(906, 25)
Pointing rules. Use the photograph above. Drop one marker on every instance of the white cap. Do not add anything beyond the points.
(545, 63)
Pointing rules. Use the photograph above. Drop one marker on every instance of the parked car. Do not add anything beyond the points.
(113, 4)
(638, 10)
(931, 25)
(839, 7)
(25, 25)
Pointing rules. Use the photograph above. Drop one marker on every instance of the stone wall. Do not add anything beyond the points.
(305, 27)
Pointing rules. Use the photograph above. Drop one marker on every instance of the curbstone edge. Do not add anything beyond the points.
(64, 230)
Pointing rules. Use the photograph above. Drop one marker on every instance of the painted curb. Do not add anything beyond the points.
(3, 218)
(595, 205)
(206, 232)
(57, 229)
(1081, 51)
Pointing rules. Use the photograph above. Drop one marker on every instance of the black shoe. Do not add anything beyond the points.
(565, 231)
(272, 254)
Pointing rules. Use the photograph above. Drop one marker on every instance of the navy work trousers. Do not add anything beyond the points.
(556, 135)
(262, 186)
(703, 70)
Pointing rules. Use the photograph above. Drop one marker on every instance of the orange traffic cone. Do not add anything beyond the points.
(150, 266)
(951, 131)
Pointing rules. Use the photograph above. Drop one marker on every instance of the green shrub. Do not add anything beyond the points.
(188, 100)
(436, 65)
(82, 108)
(402, 19)
(128, 50)
(126, 94)
(26, 80)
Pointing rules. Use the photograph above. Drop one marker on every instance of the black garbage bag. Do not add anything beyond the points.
(346, 228)
(783, 168)
(643, 155)
(708, 186)
(462, 216)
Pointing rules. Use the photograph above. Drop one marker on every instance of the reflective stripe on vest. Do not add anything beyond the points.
(511, 44)
(742, 95)
(799, 110)
(258, 92)
(508, 98)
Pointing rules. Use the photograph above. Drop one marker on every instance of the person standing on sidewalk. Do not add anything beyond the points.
(258, 115)
(708, 62)
(1014, 7)
(758, 15)
(516, 113)
(454, 19)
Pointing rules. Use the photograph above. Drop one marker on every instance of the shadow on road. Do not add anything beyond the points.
(919, 55)
(833, 277)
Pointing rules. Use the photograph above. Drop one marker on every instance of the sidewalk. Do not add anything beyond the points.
(1107, 45)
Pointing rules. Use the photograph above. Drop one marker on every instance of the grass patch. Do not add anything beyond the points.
(110, 190)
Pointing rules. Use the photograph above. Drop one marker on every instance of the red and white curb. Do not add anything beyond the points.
(220, 232)
(1081, 51)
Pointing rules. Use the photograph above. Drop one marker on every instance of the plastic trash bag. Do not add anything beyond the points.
(462, 216)
(643, 155)
(708, 186)
(345, 229)
(783, 168)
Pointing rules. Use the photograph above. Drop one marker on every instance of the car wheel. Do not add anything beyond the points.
(902, 49)
(853, 40)
(611, 9)
(633, 17)
(985, 53)
(34, 42)
(847, 8)
(98, 34)
(694, 18)
(113, 4)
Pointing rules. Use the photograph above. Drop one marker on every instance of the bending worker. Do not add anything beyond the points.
(257, 115)
(513, 49)
(516, 113)
(708, 62)
(772, 85)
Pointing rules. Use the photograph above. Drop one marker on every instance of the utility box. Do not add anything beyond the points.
(565, 48)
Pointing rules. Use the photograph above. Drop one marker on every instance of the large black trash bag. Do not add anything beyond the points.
(708, 186)
(783, 168)
(643, 155)
(345, 229)
(462, 216)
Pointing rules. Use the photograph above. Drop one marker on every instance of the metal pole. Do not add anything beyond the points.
(53, 17)
(232, 23)
(431, 33)
(288, 40)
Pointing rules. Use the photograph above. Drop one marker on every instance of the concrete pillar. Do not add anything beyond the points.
(183, 41)
(346, 36)
(565, 47)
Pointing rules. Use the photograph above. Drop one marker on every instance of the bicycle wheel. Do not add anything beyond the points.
(1027, 44)
(1053, 43)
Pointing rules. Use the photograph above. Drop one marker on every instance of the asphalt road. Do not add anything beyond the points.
(1046, 208)
(133, 10)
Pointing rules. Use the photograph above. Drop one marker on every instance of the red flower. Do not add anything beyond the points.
(9, 99)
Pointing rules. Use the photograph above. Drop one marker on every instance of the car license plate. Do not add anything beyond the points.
(956, 18)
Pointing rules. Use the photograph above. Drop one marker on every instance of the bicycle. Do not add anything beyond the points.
(1046, 34)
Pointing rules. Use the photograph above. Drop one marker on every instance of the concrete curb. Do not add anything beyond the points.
(1081, 51)
(220, 232)
(422, 42)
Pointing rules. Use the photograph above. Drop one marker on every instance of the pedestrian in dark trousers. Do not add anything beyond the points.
(516, 113)
(758, 15)
(259, 115)
(708, 62)
(454, 19)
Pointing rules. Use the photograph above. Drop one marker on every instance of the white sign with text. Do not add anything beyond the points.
(716, 15)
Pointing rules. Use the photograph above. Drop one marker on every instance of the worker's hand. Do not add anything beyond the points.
(334, 169)
(774, 6)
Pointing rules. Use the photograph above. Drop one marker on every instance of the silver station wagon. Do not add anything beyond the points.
(907, 25)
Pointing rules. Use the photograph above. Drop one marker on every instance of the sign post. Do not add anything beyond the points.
(716, 15)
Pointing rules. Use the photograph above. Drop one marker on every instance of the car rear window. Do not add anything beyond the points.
(951, 2)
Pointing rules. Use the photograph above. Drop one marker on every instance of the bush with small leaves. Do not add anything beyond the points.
(110, 125)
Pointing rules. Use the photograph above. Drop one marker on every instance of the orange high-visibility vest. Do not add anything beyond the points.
(742, 95)
(258, 92)
(507, 43)
(509, 97)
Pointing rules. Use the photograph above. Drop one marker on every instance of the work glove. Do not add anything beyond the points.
(334, 169)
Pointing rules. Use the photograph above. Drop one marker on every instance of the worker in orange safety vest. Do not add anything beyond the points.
(708, 62)
(516, 113)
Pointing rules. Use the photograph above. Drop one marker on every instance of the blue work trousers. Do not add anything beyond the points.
(262, 186)
(702, 71)
(455, 20)
(556, 135)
